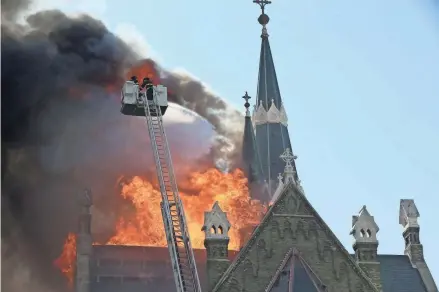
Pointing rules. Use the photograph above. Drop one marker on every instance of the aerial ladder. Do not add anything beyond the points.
(151, 101)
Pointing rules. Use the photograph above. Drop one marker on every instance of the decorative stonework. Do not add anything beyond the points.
(364, 228)
(259, 114)
(408, 218)
(279, 189)
(217, 249)
(408, 214)
(216, 224)
(283, 116)
(292, 222)
(272, 116)
(289, 174)
(216, 227)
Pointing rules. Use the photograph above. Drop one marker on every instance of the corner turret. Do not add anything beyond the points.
(216, 230)
(364, 230)
(408, 218)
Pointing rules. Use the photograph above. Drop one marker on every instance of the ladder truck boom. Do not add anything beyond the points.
(151, 102)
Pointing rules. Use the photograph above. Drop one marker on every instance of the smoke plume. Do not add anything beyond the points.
(62, 131)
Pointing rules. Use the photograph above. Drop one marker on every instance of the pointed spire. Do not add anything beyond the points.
(270, 119)
(267, 73)
(252, 163)
(216, 207)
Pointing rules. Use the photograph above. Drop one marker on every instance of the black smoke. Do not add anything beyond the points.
(62, 131)
(43, 63)
(11, 8)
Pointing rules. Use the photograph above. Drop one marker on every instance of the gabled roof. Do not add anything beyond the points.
(398, 274)
(292, 222)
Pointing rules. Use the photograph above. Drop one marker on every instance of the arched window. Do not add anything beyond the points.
(362, 233)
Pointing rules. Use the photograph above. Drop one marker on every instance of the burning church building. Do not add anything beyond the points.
(290, 248)
(252, 230)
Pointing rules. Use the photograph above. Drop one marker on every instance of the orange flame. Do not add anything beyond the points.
(229, 189)
(143, 228)
(145, 68)
(66, 261)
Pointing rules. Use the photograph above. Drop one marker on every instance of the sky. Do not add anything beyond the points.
(359, 80)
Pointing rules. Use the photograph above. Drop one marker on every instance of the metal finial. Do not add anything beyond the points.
(262, 4)
(246, 97)
(263, 19)
(246, 104)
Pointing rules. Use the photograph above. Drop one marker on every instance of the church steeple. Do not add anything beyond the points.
(252, 163)
(269, 117)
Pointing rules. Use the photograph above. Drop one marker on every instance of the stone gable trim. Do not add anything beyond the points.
(245, 250)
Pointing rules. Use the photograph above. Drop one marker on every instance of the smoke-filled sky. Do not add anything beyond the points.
(359, 81)
(62, 131)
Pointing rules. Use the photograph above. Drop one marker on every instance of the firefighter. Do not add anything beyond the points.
(147, 83)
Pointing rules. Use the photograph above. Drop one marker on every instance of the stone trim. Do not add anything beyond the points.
(245, 250)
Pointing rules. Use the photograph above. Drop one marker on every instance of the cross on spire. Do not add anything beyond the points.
(246, 97)
(246, 104)
(288, 156)
(262, 4)
(290, 173)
